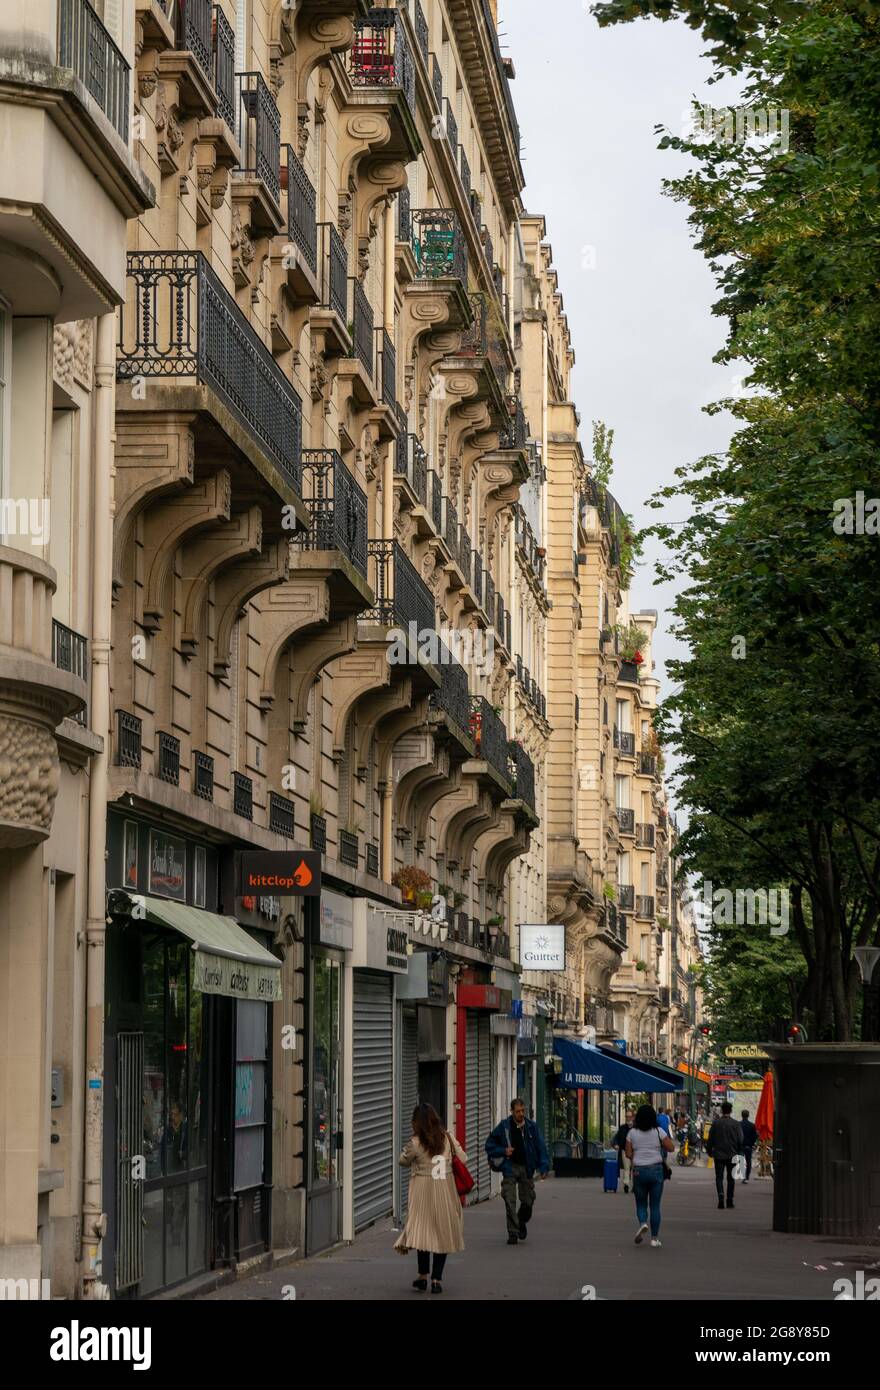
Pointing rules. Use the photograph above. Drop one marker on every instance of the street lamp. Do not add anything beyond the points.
(867, 958)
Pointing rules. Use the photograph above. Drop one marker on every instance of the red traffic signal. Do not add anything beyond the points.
(795, 1033)
(704, 1029)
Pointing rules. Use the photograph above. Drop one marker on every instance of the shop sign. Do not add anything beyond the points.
(167, 866)
(381, 937)
(280, 873)
(235, 978)
(740, 1051)
(526, 1036)
(542, 947)
(336, 920)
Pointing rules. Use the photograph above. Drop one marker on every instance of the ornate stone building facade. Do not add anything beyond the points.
(327, 572)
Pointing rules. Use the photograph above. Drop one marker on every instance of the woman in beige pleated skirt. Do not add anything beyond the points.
(434, 1222)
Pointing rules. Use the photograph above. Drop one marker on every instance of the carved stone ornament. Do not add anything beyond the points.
(30, 775)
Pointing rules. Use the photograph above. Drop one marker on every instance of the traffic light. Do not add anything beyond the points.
(795, 1034)
(704, 1029)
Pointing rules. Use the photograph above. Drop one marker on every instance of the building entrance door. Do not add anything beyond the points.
(324, 1221)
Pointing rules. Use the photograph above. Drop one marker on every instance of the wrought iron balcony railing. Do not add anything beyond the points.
(490, 735)
(437, 81)
(625, 896)
(179, 321)
(371, 860)
(380, 55)
(453, 697)
(420, 25)
(644, 906)
(450, 527)
(349, 849)
(388, 367)
(626, 744)
(362, 326)
(645, 836)
(435, 498)
(522, 773)
(477, 576)
(224, 67)
(404, 217)
(464, 551)
(302, 227)
(439, 246)
(337, 507)
(402, 596)
(451, 125)
(648, 764)
(242, 795)
(282, 815)
(203, 776)
(70, 652)
(489, 605)
(411, 462)
(515, 436)
(85, 47)
(626, 819)
(259, 132)
(334, 270)
(169, 758)
(464, 169)
(318, 832)
(194, 32)
(128, 739)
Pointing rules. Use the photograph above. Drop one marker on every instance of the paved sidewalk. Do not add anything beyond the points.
(581, 1236)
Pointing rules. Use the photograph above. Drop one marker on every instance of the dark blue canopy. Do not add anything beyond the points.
(585, 1068)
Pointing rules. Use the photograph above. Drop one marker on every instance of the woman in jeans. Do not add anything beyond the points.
(645, 1146)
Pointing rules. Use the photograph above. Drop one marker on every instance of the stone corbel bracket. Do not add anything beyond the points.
(391, 730)
(236, 586)
(154, 455)
(466, 809)
(379, 181)
(416, 760)
(507, 840)
(168, 524)
(204, 558)
(372, 710)
(360, 673)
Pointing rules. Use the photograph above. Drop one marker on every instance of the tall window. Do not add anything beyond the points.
(622, 716)
(242, 17)
(621, 793)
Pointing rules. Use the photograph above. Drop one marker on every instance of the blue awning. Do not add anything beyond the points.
(651, 1069)
(585, 1068)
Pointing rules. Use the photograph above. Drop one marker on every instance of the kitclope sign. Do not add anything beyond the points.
(281, 873)
(542, 948)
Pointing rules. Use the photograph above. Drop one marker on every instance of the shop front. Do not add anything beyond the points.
(475, 1075)
(422, 1050)
(331, 939)
(187, 1113)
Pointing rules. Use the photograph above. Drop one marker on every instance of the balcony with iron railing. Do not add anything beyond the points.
(180, 322)
(645, 907)
(451, 128)
(86, 48)
(128, 739)
(381, 58)
(411, 467)
(243, 795)
(624, 742)
(349, 848)
(168, 761)
(259, 135)
(435, 500)
(522, 775)
(318, 832)
(452, 700)
(302, 226)
(371, 860)
(402, 598)
(70, 652)
(626, 817)
(490, 736)
(625, 897)
(203, 776)
(332, 316)
(484, 342)
(440, 247)
(337, 508)
(437, 82)
(648, 764)
(515, 434)
(387, 368)
(362, 326)
(194, 21)
(645, 835)
(282, 815)
(224, 67)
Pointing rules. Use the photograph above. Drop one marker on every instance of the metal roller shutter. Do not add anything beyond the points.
(409, 1087)
(373, 1091)
(478, 1102)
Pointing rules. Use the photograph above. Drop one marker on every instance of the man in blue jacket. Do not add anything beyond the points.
(516, 1149)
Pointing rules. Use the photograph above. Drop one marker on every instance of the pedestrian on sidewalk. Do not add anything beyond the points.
(750, 1139)
(619, 1143)
(646, 1145)
(434, 1220)
(724, 1143)
(516, 1149)
(664, 1121)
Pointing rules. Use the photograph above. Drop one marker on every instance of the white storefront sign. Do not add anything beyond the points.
(381, 937)
(542, 947)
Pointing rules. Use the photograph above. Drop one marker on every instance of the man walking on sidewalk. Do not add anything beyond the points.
(750, 1139)
(516, 1149)
(724, 1143)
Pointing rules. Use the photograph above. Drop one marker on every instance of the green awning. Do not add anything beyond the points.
(227, 960)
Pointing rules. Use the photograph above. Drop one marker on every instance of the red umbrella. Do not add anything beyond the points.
(764, 1117)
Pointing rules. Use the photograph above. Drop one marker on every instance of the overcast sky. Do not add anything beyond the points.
(637, 293)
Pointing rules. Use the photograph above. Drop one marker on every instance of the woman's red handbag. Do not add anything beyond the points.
(464, 1181)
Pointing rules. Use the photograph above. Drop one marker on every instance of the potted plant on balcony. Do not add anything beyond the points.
(609, 892)
(496, 922)
(411, 881)
(632, 639)
(642, 966)
(457, 900)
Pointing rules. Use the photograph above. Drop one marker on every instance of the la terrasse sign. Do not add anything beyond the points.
(542, 947)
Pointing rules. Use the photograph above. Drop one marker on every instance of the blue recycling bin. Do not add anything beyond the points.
(610, 1175)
